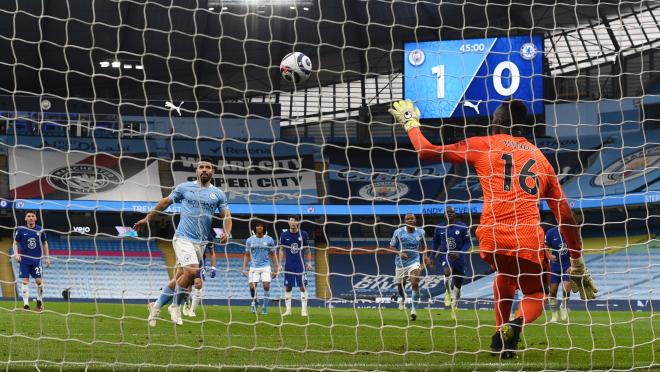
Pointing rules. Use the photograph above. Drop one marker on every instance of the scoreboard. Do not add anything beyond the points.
(471, 77)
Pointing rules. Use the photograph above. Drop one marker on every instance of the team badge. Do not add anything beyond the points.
(213, 196)
(84, 179)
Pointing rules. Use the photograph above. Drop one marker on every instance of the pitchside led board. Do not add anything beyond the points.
(470, 78)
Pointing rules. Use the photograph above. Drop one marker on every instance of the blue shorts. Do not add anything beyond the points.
(295, 280)
(559, 274)
(457, 266)
(30, 270)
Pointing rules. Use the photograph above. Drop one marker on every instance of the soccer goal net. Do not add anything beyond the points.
(108, 107)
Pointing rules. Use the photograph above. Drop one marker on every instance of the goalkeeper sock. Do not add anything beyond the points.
(165, 297)
(531, 306)
(266, 298)
(287, 300)
(40, 292)
(504, 289)
(196, 298)
(25, 290)
(553, 303)
(303, 301)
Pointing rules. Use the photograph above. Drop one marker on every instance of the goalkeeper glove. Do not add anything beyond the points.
(212, 272)
(581, 280)
(406, 114)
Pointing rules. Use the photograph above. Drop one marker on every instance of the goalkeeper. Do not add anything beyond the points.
(514, 175)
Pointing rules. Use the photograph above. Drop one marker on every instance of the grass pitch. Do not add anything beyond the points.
(73, 336)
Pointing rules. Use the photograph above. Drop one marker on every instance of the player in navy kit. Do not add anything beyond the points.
(451, 241)
(292, 244)
(560, 263)
(30, 245)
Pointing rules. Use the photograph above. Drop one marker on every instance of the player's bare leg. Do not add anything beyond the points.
(25, 291)
(552, 300)
(414, 282)
(563, 310)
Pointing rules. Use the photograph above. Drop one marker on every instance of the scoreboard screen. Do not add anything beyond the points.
(471, 77)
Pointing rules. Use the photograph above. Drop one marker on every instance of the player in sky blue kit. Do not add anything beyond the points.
(260, 250)
(199, 201)
(560, 263)
(451, 240)
(193, 301)
(30, 245)
(409, 245)
(292, 244)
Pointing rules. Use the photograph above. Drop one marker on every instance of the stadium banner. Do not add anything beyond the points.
(360, 176)
(43, 174)
(282, 179)
(368, 275)
(629, 164)
(163, 148)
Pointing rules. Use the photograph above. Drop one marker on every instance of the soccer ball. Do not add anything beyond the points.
(296, 67)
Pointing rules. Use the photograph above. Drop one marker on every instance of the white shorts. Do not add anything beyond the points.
(187, 253)
(262, 273)
(402, 273)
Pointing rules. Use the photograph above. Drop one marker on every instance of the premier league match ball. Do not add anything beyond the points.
(296, 67)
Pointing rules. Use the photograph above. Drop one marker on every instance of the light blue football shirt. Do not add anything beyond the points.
(198, 205)
(408, 242)
(259, 249)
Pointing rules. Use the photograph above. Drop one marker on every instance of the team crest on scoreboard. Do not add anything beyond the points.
(629, 167)
(416, 57)
(528, 51)
(383, 191)
(84, 179)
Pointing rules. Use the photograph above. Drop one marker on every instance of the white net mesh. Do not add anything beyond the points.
(106, 106)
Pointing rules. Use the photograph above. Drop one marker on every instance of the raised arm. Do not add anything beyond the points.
(406, 114)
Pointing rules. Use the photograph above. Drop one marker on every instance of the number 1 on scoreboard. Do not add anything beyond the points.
(439, 71)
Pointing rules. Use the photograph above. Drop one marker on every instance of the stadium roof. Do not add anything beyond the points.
(233, 51)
